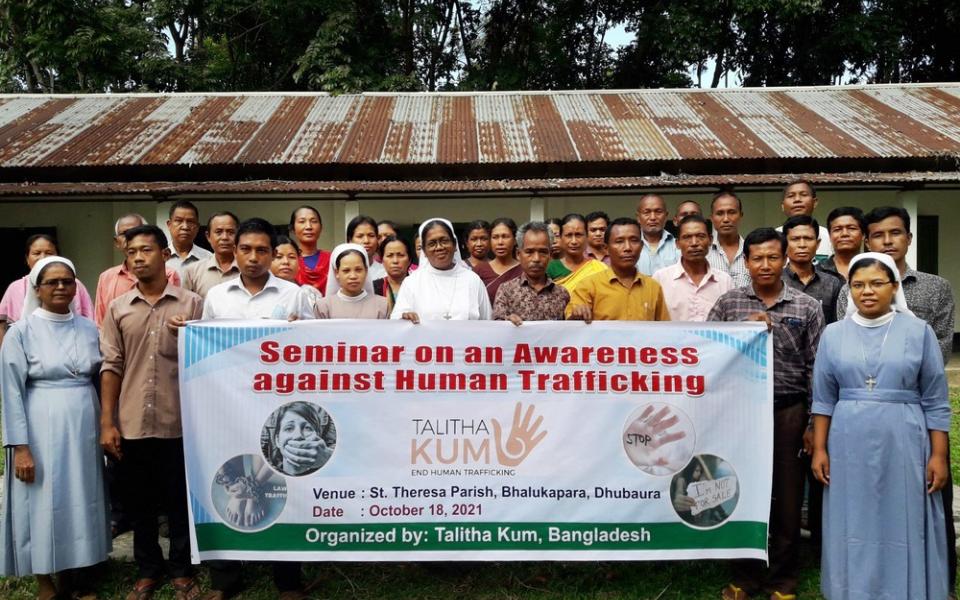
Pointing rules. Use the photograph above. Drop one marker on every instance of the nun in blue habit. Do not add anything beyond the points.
(881, 413)
(54, 509)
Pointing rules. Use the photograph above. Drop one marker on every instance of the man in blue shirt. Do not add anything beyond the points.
(659, 246)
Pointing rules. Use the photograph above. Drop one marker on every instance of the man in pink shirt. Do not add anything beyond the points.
(117, 281)
(692, 286)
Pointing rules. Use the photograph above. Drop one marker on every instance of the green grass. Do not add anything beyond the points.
(677, 580)
(532, 580)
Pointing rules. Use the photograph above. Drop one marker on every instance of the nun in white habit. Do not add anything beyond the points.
(443, 287)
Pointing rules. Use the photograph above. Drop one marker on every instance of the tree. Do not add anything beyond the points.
(544, 44)
(79, 46)
(910, 41)
(796, 42)
(356, 45)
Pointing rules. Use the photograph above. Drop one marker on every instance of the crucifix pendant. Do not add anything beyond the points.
(871, 382)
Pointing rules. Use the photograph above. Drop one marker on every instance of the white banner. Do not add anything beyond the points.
(478, 440)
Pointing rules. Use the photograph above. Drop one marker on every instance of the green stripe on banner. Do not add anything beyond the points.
(393, 537)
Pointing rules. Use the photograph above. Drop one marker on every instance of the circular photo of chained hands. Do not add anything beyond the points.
(659, 438)
(247, 494)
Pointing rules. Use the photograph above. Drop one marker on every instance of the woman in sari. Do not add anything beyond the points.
(554, 224)
(504, 266)
(313, 263)
(397, 254)
(286, 266)
(573, 265)
(477, 240)
(11, 306)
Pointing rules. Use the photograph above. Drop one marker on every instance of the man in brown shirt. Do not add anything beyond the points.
(140, 418)
(533, 296)
(202, 275)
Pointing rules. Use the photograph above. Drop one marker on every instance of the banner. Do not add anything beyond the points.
(477, 440)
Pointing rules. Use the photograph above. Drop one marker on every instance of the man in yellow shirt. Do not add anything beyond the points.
(620, 292)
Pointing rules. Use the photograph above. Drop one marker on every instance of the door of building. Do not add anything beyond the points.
(927, 238)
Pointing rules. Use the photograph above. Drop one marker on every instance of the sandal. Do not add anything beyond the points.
(143, 589)
(732, 592)
(185, 588)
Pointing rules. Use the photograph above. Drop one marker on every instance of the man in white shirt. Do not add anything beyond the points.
(184, 225)
(256, 294)
(799, 198)
(692, 286)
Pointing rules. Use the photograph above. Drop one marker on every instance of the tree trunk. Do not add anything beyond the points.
(406, 36)
(463, 35)
(437, 49)
(718, 68)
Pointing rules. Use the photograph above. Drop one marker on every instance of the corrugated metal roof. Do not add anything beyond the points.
(904, 121)
(581, 184)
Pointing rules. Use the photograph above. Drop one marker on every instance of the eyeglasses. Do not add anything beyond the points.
(439, 243)
(55, 283)
(859, 286)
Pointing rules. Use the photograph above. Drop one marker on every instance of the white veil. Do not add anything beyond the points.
(899, 300)
(31, 301)
(425, 262)
(333, 286)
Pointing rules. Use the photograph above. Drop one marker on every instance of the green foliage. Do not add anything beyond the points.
(354, 45)
(86, 46)
(351, 52)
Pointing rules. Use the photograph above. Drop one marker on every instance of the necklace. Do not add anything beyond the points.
(74, 356)
(871, 378)
(447, 314)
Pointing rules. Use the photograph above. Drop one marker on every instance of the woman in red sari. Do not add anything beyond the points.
(306, 226)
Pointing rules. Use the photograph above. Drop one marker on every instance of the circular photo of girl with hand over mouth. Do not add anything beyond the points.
(298, 438)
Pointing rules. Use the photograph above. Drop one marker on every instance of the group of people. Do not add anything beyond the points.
(860, 341)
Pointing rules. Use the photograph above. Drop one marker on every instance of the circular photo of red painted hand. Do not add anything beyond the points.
(659, 438)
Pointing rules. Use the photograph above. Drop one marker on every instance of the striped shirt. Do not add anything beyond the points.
(737, 270)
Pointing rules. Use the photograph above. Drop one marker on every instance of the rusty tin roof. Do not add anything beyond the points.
(517, 127)
(471, 141)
